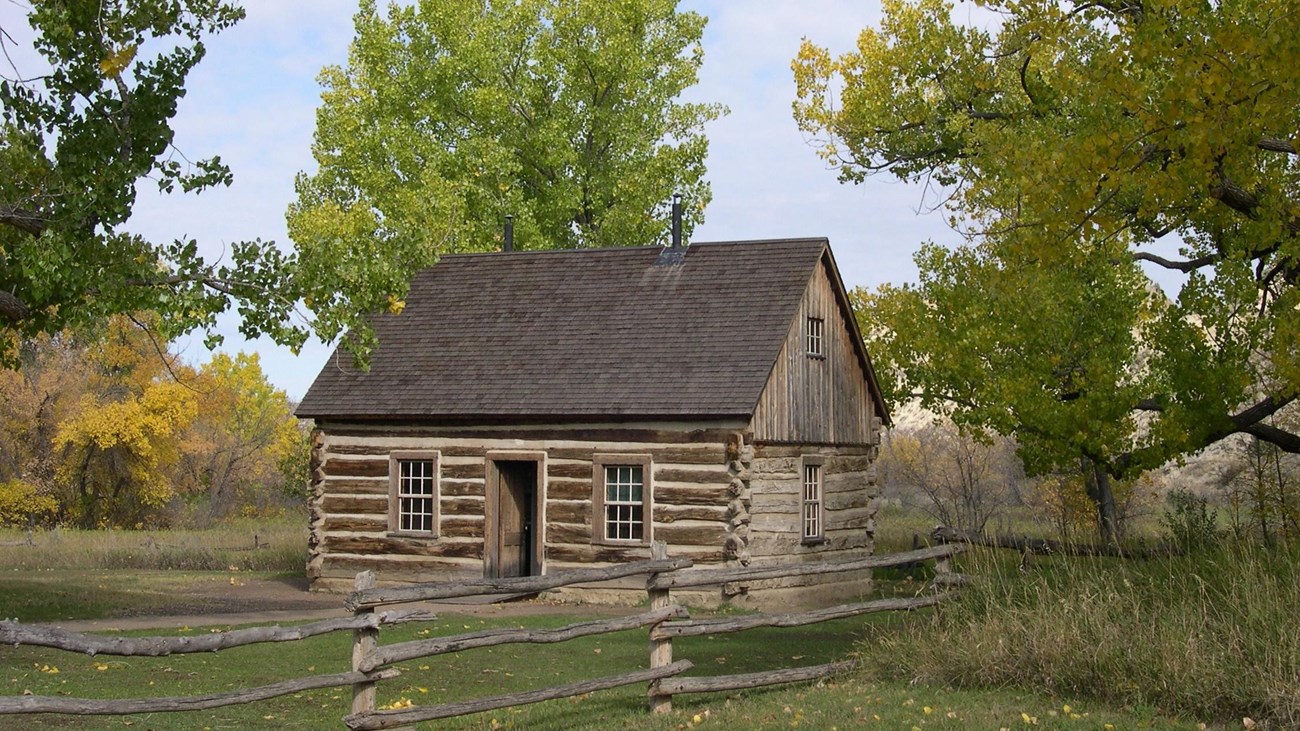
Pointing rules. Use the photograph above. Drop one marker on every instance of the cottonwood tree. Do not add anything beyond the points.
(76, 137)
(1073, 141)
(231, 455)
(452, 114)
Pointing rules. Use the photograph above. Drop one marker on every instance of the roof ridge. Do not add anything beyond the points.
(651, 247)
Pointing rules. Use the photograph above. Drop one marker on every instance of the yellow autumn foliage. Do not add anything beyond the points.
(114, 454)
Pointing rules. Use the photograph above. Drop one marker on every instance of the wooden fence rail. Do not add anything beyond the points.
(371, 661)
(659, 587)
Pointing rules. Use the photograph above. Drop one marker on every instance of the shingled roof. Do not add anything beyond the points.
(591, 333)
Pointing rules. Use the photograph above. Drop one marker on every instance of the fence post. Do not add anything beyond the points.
(943, 565)
(364, 642)
(661, 651)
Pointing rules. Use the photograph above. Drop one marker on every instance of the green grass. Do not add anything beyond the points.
(853, 701)
(49, 595)
(281, 546)
(1213, 635)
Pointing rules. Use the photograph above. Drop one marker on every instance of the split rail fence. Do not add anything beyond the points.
(371, 661)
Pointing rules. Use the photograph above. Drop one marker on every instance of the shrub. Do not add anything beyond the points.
(1188, 521)
(21, 504)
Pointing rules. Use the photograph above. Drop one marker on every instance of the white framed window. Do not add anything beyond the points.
(816, 329)
(621, 504)
(813, 513)
(413, 493)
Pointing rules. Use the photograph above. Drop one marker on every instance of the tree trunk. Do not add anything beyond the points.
(1098, 485)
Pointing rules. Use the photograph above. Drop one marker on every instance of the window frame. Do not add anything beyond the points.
(395, 496)
(814, 339)
(599, 524)
(818, 463)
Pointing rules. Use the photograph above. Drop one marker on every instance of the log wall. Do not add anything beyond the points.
(818, 400)
(349, 508)
(775, 506)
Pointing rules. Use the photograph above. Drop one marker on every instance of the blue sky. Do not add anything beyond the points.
(253, 101)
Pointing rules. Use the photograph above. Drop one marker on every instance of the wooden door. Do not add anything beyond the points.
(516, 508)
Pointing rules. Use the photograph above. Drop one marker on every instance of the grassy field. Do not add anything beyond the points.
(855, 701)
(78, 574)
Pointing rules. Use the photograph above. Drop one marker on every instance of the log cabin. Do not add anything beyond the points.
(528, 412)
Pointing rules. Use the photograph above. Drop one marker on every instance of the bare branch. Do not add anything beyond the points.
(1190, 265)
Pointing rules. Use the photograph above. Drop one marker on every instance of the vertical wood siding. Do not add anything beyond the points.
(817, 400)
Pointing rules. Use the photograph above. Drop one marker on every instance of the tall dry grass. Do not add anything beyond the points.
(278, 545)
(1214, 635)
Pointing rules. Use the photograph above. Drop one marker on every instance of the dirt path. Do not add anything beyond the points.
(250, 600)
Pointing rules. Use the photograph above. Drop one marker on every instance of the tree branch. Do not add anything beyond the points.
(13, 309)
(1182, 266)
(1275, 145)
(22, 219)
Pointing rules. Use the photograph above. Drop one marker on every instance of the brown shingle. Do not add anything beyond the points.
(585, 333)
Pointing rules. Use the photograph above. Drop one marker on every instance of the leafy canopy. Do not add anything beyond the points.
(1076, 140)
(74, 143)
(452, 114)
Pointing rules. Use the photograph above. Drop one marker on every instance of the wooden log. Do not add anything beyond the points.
(673, 513)
(549, 433)
(1046, 546)
(562, 511)
(461, 527)
(335, 486)
(754, 680)
(97, 707)
(356, 467)
(389, 654)
(568, 533)
(462, 506)
(355, 504)
(572, 470)
(565, 488)
(695, 628)
(703, 454)
(516, 585)
(579, 554)
(692, 477)
(364, 642)
(709, 577)
(461, 488)
(13, 633)
(466, 471)
(385, 450)
(661, 648)
(380, 545)
(712, 494)
(405, 716)
(356, 523)
(693, 534)
(350, 565)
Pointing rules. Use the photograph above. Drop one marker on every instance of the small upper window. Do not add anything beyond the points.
(413, 494)
(816, 327)
(812, 502)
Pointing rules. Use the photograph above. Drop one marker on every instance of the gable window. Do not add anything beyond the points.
(413, 493)
(812, 513)
(621, 499)
(815, 345)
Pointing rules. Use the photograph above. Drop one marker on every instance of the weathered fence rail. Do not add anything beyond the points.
(371, 661)
(660, 586)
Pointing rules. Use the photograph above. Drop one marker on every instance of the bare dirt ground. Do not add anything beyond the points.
(251, 600)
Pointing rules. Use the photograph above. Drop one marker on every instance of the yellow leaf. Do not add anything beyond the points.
(117, 61)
